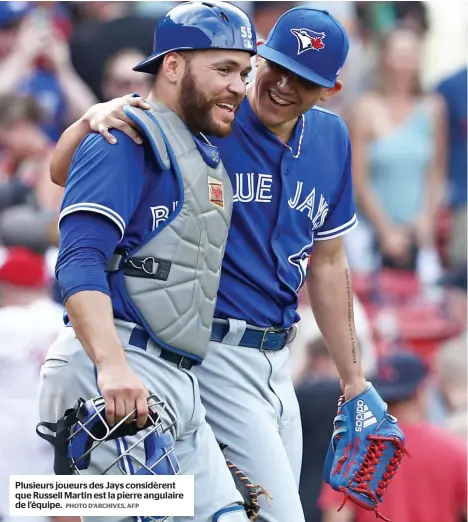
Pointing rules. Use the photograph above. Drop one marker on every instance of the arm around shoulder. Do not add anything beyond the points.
(65, 150)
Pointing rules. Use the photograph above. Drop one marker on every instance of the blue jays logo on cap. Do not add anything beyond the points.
(308, 39)
(315, 31)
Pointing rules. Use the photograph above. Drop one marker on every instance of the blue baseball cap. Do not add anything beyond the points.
(399, 375)
(12, 11)
(310, 43)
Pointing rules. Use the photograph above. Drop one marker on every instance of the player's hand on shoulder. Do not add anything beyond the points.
(123, 391)
(110, 115)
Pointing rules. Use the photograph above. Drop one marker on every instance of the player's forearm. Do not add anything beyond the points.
(65, 149)
(91, 315)
(330, 292)
(87, 242)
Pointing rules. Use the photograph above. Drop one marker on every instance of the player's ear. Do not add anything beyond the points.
(173, 65)
(331, 91)
(257, 58)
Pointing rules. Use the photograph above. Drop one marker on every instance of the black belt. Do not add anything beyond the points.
(270, 339)
(179, 360)
(140, 338)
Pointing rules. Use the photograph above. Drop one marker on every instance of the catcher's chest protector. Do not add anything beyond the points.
(172, 277)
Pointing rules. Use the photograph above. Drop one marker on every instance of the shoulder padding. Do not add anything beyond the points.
(149, 126)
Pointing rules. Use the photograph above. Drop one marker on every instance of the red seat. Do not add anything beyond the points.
(421, 326)
(386, 286)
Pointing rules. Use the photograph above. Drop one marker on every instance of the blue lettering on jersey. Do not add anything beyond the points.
(282, 206)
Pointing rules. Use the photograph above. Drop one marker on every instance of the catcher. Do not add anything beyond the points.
(139, 294)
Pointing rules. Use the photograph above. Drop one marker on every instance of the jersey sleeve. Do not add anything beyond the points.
(106, 179)
(342, 216)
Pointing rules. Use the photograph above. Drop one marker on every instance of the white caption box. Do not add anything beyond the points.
(102, 495)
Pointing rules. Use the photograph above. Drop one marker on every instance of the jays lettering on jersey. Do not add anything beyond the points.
(122, 183)
(282, 205)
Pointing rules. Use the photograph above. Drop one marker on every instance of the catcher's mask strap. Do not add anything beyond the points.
(59, 441)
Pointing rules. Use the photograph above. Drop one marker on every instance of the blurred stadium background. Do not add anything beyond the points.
(405, 101)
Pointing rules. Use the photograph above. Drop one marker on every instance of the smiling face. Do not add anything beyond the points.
(212, 88)
(281, 96)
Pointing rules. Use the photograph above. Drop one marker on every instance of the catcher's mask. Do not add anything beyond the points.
(84, 427)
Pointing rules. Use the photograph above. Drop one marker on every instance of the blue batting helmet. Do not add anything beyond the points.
(310, 43)
(198, 26)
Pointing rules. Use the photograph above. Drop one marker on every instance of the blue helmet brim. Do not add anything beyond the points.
(151, 64)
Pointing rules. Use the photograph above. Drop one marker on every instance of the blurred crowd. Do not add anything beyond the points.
(408, 255)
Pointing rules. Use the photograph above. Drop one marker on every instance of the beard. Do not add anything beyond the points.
(197, 108)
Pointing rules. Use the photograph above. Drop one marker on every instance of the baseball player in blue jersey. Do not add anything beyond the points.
(139, 290)
(289, 162)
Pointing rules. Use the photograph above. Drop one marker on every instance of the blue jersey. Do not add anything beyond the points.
(123, 183)
(282, 205)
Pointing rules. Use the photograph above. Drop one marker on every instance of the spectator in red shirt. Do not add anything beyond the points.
(431, 486)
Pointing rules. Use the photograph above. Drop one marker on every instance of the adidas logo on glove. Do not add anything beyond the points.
(364, 416)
